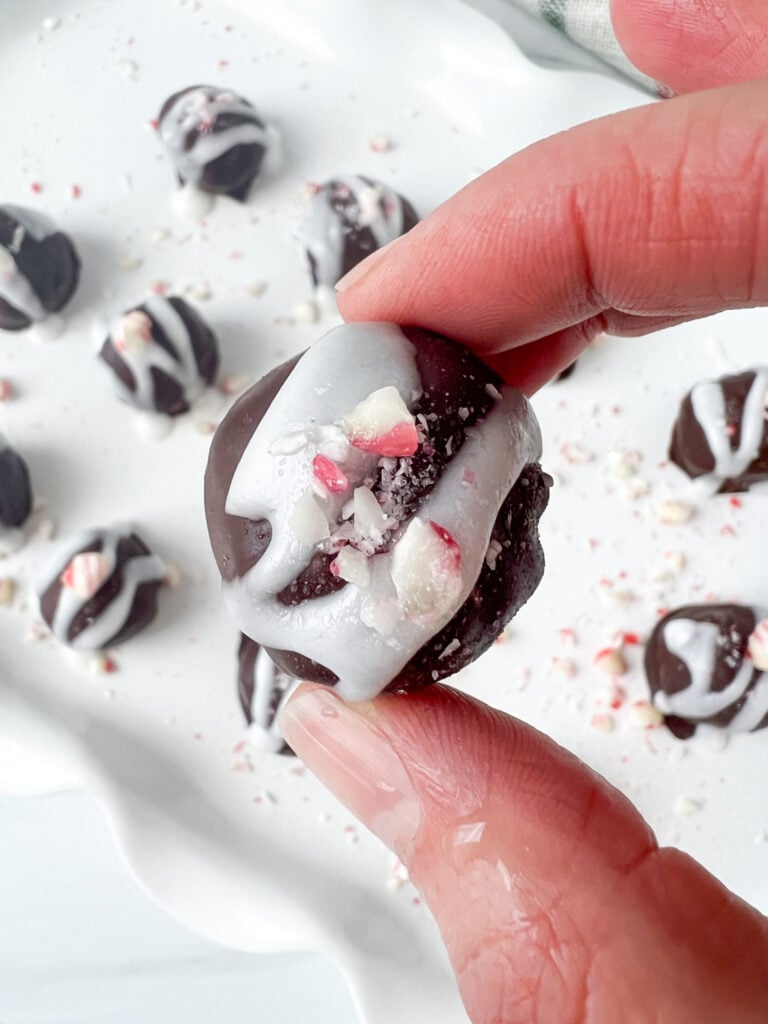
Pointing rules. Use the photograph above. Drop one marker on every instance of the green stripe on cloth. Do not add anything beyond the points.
(553, 11)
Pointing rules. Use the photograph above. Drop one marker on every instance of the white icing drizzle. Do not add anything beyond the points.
(15, 288)
(336, 374)
(378, 207)
(695, 644)
(709, 407)
(200, 107)
(99, 633)
(264, 732)
(142, 358)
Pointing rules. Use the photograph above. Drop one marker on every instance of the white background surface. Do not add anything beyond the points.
(244, 850)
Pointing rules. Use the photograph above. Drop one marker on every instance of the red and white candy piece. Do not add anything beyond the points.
(329, 474)
(134, 332)
(426, 570)
(611, 661)
(757, 646)
(382, 424)
(86, 573)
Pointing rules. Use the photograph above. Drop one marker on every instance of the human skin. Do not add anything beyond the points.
(553, 898)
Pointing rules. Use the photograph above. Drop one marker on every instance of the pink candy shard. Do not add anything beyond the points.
(329, 474)
(86, 573)
(399, 441)
(454, 551)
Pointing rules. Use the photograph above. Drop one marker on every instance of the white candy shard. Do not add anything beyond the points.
(676, 512)
(757, 646)
(369, 520)
(308, 521)
(85, 574)
(426, 570)
(331, 441)
(134, 332)
(644, 715)
(352, 565)
(381, 423)
(612, 661)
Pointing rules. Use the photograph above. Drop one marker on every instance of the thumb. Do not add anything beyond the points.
(550, 892)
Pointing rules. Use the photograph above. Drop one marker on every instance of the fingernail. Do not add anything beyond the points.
(369, 264)
(342, 746)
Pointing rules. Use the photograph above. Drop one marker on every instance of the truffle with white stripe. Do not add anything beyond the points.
(215, 139)
(39, 268)
(720, 437)
(100, 588)
(162, 354)
(15, 498)
(353, 496)
(350, 217)
(264, 690)
(705, 664)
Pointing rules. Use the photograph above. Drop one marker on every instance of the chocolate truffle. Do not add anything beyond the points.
(705, 663)
(264, 690)
(349, 218)
(215, 139)
(100, 589)
(39, 268)
(720, 436)
(373, 507)
(162, 354)
(15, 498)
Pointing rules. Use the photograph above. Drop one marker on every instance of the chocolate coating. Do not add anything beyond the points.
(698, 652)
(215, 138)
(162, 354)
(733, 412)
(456, 395)
(15, 488)
(39, 268)
(95, 606)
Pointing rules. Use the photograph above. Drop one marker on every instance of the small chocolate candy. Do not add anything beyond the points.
(349, 218)
(720, 436)
(373, 507)
(162, 354)
(39, 268)
(705, 664)
(15, 498)
(264, 690)
(100, 588)
(215, 139)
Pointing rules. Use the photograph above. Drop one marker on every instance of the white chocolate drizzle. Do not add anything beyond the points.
(15, 288)
(347, 631)
(111, 620)
(695, 644)
(264, 732)
(708, 403)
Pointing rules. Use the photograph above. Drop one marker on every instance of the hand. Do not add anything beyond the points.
(626, 224)
(555, 903)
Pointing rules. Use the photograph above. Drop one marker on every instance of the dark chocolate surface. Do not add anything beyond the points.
(15, 489)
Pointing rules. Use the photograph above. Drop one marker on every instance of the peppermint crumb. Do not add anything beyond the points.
(602, 722)
(6, 389)
(685, 807)
(257, 289)
(75, 191)
(305, 312)
(380, 143)
(7, 592)
(36, 187)
(128, 263)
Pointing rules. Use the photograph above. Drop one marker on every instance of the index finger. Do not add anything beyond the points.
(642, 218)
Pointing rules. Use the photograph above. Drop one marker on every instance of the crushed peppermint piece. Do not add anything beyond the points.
(75, 191)
(449, 649)
(493, 391)
(369, 519)
(308, 521)
(257, 288)
(426, 570)
(492, 554)
(127, 68)
(568, 637)
(382, 424)
(564, 666)
(36, 187)
(234, 383)
(86, 573)
(200, 291)
(134, 332)
(7, 591)
(757, 646)
(602, 722)
(6, 389)
(379, 143)
(675, 560)
(676, 512)
(329, 474)
(611, 661)
(159, 287)
(306, 312)
(624, 464)
(127, 262)
(352, 565)
(643, 715)
(575, 454)
(685, 807)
